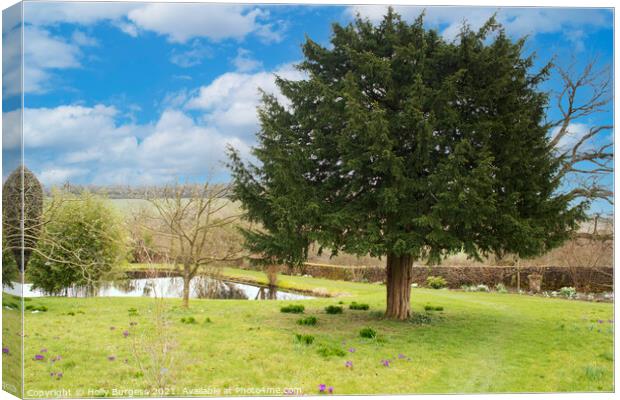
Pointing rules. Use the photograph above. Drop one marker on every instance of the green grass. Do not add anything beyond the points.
(482, 342)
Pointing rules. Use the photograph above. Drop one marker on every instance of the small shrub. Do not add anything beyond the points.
(333, 309)
(568, 292)
(71, 313)
(307, 321)
(188, 320)
(132, 312)
(31, 307)
(482, 288)
(420, 318)
(429, 307)
(358, 306)
(293, 309)
(207, 320)
(328, 351)
(501, 288)
(304, 339)
(436, 282)
(368, 333)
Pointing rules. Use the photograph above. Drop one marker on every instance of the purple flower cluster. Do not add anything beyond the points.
(5, 350)
(323, 387)
(349, 364)
(386, 363)
(39, 357)
(125, 333)
(57, 375)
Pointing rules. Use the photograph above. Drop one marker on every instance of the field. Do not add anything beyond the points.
(480, 342)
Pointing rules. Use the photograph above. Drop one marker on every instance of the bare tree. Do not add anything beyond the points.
(194, 227)
(586, 155)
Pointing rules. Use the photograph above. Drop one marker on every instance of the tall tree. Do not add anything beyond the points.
(400, 144)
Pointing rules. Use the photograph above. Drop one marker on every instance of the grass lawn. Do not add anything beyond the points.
(481, 342)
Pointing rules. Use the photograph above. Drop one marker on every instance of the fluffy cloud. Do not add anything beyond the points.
(74, 142)
(80, 143)
(42, 53)
(517, 21)
(244, 61)
(180, 22)
(230, 101)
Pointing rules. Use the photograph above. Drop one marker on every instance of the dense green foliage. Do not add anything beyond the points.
(399, 142)
(293, 309)
(83, 240)
(21, 188)
(358, 306)
(331, 309)
(436, 282)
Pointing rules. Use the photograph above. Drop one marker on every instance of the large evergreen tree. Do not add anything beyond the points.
(403, 145)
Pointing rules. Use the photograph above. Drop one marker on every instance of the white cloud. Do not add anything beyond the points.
(82, 39)
(75, 142)
(244, 61)
(518, 21)
(230, 101)
(44, 52)
(192, 57)
(180, 22)
(85, 13)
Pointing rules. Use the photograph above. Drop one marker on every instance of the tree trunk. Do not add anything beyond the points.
(398, 286)
(187, 278)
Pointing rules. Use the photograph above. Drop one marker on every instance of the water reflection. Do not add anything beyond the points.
(171, 287)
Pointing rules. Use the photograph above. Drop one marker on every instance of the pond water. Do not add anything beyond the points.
(172, 287)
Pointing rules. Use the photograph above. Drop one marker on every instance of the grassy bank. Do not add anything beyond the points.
(480, 342)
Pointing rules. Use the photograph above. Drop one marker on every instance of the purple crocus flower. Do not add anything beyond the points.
(352, 350)
(386, 363)
(59, 375)
(349, 364)
(330, 389)
(600, 321)
(5, 350)
(52, 374)
(39, 357)
(322, 388)
(125, 333)
(111, 358)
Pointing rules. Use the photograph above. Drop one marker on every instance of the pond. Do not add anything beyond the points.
(171, 287)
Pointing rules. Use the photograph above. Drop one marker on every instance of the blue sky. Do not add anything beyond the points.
(148, 93)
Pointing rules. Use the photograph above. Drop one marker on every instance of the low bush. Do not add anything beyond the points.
(429, 307)
(359, 306)
(420, 318)
(207, 320)
(304, 339)
(293, 309)
(333, 309)
(307, 321)
(31, 307)
(568, 292)
(436, 282)
(188, 320)
(328, 351)
(132, 312)
(482, 288)
(368, 333)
